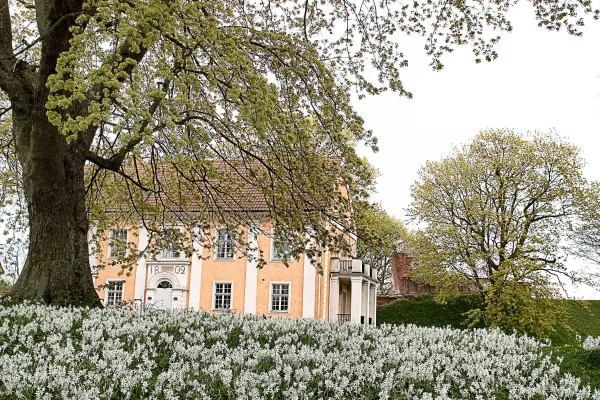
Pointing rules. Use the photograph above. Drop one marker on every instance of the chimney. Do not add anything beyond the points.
(401, 263)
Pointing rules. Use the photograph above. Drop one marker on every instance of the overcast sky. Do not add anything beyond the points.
(541, 80)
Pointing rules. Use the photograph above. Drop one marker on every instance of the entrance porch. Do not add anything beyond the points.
(353, 292)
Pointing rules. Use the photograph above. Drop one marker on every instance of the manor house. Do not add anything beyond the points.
(221, 279)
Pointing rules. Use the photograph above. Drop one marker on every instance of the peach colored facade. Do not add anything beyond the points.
(114, 272)
(212, 282)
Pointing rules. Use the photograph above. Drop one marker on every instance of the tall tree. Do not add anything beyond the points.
(379, 237)
(586, 233)
(166, 87)
(496, 214)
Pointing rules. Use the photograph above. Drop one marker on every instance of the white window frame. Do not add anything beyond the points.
(214, 296)
(233, 251)
(110, 247)
(273, 250)
(168, 254)
(175, 254)
(106, 290)
(289, 297)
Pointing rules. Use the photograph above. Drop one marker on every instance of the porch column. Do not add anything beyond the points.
(334, 299)
(356, 295)
(139, 294)
(373, 303)
(364, 304)
(367, 301)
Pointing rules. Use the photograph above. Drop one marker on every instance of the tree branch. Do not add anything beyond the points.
(41, 37)
(4, 111)
(101, 162)
(114, 163)
(304, 21)
(9, 81)
(6, 49)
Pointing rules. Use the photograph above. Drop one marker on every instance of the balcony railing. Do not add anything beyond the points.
(343, 318)
(353, 266)
(346, 265)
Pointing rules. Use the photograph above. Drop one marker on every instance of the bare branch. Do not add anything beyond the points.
(304, 20)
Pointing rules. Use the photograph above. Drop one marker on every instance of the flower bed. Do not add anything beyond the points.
(591, 350)
(591, 343)
(50, 353)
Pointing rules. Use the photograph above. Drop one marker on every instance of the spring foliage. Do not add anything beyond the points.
(380, 236)
(497, 214)
(147, 95)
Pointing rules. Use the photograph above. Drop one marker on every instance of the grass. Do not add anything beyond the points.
(584, 319)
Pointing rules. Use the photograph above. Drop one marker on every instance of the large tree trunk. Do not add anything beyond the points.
(57, 269)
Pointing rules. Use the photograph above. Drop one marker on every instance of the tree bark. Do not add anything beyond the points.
(57, 269)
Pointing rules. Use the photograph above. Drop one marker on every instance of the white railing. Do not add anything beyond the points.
(346, 265)
(357, 265)
(335, 264)
(354, 265)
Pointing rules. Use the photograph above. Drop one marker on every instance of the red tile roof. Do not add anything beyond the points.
(204, 191)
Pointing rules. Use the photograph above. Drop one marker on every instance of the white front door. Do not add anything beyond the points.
(164, 295)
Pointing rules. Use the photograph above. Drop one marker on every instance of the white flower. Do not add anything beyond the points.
(47, 353)
(590, 343)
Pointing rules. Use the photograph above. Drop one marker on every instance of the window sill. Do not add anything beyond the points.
(278, 312)
(225, 259)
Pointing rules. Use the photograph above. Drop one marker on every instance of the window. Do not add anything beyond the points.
(344, 302)
(164, 285)
(169, 252)
(225, 249)
(280, 297)
(117, 243)
(222, 300)
(114, 293)
(280, 248)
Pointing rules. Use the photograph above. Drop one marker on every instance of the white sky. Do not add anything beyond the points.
(541, 80)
